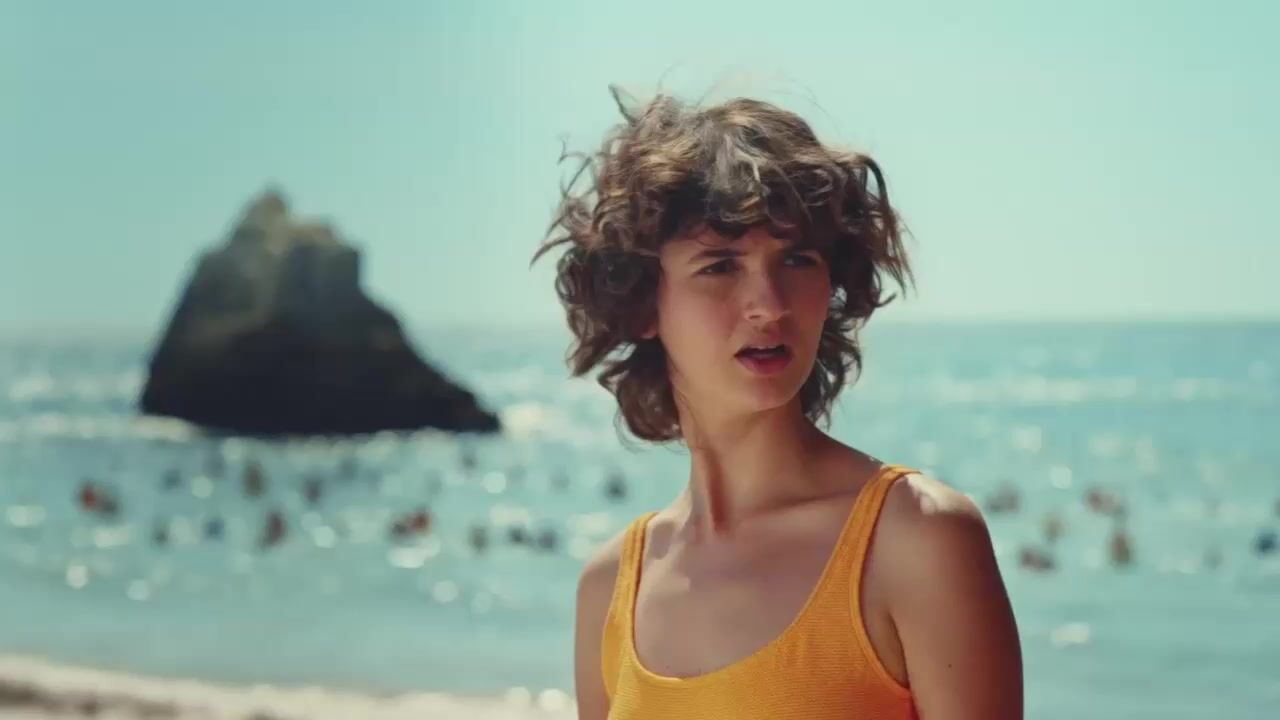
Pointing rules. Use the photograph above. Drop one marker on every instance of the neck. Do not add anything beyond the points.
(745, 466)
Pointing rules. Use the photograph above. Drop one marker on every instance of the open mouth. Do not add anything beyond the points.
(764, 353)
(768, 360)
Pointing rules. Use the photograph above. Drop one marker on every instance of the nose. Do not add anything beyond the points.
(763, 300)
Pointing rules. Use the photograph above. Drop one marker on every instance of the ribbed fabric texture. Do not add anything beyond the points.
(820, 667)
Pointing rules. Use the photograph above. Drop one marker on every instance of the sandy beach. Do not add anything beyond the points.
(32, 688)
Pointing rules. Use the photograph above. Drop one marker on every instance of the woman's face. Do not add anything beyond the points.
(716, 297)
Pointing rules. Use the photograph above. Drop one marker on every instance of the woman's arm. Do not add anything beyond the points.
(949, 604)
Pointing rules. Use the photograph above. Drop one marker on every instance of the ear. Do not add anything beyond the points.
(650, 332)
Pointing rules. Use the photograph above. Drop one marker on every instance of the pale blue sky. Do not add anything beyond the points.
(1075, 160)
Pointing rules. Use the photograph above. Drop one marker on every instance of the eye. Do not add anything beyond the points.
(806, 259)
(718, 268)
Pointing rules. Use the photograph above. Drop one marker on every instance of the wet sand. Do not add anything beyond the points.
(35, 689)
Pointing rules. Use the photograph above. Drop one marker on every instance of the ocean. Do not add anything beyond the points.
(1179, 420)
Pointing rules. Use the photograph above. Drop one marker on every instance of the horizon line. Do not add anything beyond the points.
(121, 330)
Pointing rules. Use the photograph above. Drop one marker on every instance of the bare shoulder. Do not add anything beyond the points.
(929, 536)
(595, 592)
(600, 571)
(948, 602)
(920, 503)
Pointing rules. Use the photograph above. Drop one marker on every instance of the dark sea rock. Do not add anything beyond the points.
(274, 336)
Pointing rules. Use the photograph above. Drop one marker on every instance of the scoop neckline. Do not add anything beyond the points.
(785, 634)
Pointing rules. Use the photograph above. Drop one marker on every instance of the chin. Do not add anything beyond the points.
(766, 396)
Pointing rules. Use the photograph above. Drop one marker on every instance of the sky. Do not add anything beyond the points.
(1091, 160)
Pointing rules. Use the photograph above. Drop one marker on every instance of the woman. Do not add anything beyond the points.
(718, 270)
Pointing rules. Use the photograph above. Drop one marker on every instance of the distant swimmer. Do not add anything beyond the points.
(160, 533)
(468, 458)
(547, 540)
(313, 489)
(213, 528)
(479, 538)
(254, 478)
(88, 497)
(274, 530)
(1103, 502)
(1053, 527)
(416, 523)
(172, 479)
(1035, 560)
(518, 535)
(96, 499)
(1120, 547)
(421, 521)
(616, 486)
(1266, 543)
(1004, 500)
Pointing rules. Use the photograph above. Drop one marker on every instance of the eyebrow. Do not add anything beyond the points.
(711, 253)
(727, 252)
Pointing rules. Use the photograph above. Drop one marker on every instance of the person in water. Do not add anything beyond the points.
(717, 271)
(97, 499)
(273, 531)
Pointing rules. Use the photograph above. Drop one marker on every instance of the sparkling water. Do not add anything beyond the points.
(1181, 421)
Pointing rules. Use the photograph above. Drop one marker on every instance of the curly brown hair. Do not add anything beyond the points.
(671, 169)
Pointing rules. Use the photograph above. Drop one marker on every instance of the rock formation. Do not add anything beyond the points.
(273, 336)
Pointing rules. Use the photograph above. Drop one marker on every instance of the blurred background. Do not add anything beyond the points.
(1093, 352)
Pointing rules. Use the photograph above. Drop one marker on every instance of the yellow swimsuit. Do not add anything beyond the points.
(822, 666)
